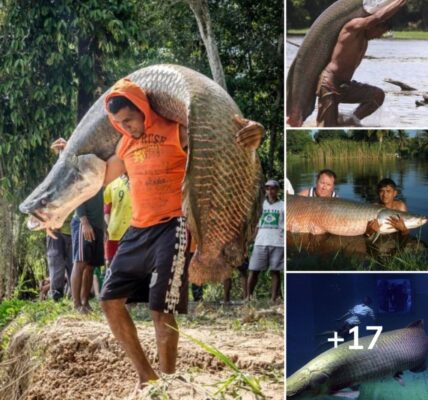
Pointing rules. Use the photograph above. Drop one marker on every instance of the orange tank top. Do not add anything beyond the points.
(155, 162)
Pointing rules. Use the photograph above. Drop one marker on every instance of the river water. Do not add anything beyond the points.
(356, 180)
(400, 60)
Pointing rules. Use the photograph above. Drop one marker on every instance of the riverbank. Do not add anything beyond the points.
(400, 35)
(49, 351)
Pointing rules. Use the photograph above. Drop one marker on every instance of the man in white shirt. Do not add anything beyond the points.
(269, 244)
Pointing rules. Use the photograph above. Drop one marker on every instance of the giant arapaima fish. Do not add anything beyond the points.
(221, 188)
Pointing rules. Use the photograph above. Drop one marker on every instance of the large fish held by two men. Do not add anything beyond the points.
(318, 215)
(222, 184)
(342, 367)
(315, 52)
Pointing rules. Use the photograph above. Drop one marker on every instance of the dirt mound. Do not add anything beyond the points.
(80, 359)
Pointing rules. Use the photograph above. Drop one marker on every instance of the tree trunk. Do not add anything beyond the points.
(201, 11)
(88, 85)
(8, 272)
(277, 105)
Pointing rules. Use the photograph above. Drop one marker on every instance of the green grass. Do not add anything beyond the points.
(403, 260)
(411, 35)
(407, 35)
(15, 314)
(297, 32)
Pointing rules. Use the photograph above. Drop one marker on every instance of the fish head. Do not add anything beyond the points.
(411, 221)
(71, 181)
(371, 6)
(306, 384)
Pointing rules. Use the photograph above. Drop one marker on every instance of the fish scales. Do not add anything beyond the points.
(304, 72)
(220, 175)
(394, 351)
(315, 53)
(321, 215)
(317, 215)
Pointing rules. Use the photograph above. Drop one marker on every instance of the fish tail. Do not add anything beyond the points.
(217, 270)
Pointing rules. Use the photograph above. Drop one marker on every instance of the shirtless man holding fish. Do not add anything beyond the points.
(387, 192)
(335, 85)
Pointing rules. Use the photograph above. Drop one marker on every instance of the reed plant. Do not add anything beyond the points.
(347, 149)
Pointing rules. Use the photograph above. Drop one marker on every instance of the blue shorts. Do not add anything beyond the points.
(158, 250)
(92, 252)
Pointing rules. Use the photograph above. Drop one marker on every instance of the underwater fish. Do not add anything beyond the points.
(339, 368)
(318, 215)
(222, 186)
(315, 52)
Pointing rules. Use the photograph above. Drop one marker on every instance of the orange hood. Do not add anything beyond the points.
(136, 95)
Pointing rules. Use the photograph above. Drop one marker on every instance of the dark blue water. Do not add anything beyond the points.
(315, 301)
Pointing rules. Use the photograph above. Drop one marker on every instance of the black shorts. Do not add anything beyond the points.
(158, 250)
(92, 252)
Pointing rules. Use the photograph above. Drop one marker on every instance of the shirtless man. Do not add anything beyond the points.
(324, 185)
(387, 192)
(335, 85)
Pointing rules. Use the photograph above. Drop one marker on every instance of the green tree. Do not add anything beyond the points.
(297, 140)
(57, 57)
(55, 61)
(329, 134)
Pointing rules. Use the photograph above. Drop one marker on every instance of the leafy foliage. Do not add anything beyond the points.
(302, 13)
(55, 61)
(58, 56)
(25, 312)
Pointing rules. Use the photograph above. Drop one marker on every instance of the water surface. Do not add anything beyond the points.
(400, 60)
(316, 302)
(357, 180)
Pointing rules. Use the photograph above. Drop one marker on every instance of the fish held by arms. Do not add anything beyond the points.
(315, 53)
(318, 215)
(338, 368)
(221, 190)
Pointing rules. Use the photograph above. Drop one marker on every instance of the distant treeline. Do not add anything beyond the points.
(346, 144)
(302, 13)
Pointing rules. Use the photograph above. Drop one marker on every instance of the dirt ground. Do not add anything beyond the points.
(79, 359)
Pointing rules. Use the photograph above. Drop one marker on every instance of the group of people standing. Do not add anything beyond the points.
(88, 241)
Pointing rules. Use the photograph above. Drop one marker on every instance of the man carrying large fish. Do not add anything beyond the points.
(346, 27)
(154, 151)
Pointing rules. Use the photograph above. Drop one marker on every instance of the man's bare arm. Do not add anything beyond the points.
(379, 16)
(115, 168)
